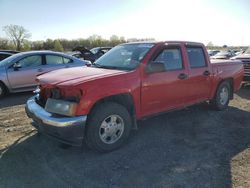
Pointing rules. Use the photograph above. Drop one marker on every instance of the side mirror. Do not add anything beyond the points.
(16, 66)
(153, 67)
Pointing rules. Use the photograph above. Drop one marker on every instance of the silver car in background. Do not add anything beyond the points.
(18, 72)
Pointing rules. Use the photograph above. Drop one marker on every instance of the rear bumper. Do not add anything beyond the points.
(69, 130)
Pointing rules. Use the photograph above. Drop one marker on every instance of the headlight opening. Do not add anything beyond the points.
(61, 107)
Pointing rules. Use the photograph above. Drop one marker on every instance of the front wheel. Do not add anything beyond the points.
(108, 127)
(2, 90)
(222, 96)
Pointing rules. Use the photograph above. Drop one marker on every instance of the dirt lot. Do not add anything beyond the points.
(194, 147)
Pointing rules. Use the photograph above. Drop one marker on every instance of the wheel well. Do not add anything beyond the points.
(125, 100)
(231, 83)
(5, 87)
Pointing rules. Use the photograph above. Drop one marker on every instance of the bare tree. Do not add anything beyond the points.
(18, 34)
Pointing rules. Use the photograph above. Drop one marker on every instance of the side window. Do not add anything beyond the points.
(171, 58)
(31, 61)
(196, 57)
(54, 60)
(66, 60)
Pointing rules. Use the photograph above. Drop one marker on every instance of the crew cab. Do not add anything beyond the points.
(102, 103)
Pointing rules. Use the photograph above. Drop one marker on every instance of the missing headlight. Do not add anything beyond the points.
(55, 94)
(61, 107)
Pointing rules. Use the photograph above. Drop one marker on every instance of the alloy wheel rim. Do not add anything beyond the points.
(111, 129)
(224, 94)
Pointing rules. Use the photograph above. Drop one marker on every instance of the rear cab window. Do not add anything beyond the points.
(196, 57)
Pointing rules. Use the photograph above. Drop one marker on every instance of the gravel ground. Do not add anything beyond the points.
(194, 147)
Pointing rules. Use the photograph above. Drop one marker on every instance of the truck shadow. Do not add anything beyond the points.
(244, 92)
(15, 99)
(194, 147)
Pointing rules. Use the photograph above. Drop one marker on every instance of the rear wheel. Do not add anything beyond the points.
(108, 127)
(221, 99)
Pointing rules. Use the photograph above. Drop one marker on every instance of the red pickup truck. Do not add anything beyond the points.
(101, 104)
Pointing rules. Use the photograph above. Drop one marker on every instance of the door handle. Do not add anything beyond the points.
(182, 76)
(206, 73)
(40, 70)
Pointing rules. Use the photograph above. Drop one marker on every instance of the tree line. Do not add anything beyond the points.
(18, 39)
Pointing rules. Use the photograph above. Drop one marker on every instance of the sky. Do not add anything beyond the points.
(222, 22)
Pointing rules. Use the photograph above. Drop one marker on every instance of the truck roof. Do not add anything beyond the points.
(167, 42)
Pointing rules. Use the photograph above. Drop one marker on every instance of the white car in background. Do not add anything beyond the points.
(18, 72)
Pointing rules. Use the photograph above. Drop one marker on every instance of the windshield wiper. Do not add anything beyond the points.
(105, 66)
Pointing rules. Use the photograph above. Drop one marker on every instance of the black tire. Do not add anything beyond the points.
(3, 90)
(222, 96)
(108, 115)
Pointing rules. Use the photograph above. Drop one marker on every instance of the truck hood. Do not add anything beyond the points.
(76, 75)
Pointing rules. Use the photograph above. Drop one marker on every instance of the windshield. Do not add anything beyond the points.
(124, 57)
(247, 51)
(9, 59)
(94, 50)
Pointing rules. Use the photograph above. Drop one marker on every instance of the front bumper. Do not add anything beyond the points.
(69, 130)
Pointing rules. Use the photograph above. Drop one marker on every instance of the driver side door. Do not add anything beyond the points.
(22, 74)
(165, 89)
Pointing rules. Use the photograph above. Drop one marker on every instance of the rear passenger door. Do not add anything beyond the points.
(199, 74)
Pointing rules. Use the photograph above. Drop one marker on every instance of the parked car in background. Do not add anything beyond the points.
(223, 55)
(212, 52)
(6, 53)
(102, 103)
(90, 55)
(10, 51)
(18, 72)
(245, 59)
(76, 54)
(100, 50)
(239, 52)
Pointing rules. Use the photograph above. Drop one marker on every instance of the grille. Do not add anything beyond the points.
(247, 66)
